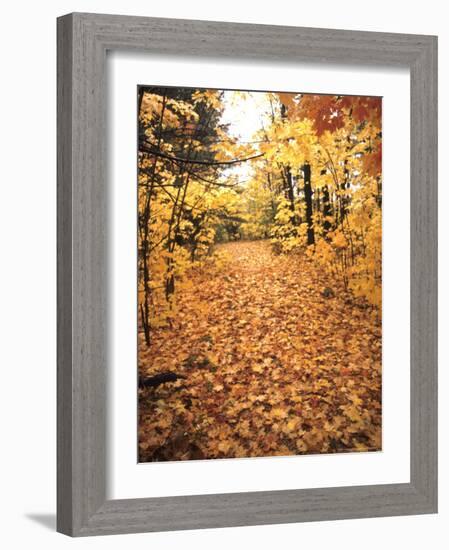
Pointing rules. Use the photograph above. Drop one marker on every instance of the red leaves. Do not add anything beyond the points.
(323, 110)
(315, 402)
(331, 112)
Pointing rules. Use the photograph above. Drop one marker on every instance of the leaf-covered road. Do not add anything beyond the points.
(278, 360)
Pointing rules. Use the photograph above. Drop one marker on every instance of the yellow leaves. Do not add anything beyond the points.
(339, 240)
(290, 426)
(244, 429)
(263, 364)
(348, 236)
(257, 398)
(279, 413)
(213, 358)
(210, 97)
(356, 400)
(289, 142)
(352, 412)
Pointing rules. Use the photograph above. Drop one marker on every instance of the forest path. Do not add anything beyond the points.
(274, 364)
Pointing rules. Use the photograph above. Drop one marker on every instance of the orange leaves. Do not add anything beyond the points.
(339, 240)
(331, 112)
(289, 101)
(372, 161)
(323, 110)
(363, 108)
(275, 367)
(224, 447)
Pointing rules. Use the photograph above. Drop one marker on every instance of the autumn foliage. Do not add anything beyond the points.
(259, 275)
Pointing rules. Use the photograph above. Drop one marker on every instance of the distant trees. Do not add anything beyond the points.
(325, 153)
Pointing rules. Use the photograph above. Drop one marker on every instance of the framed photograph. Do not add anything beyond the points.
(247, 274)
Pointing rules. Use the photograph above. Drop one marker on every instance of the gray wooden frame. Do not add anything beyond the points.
(83, 40)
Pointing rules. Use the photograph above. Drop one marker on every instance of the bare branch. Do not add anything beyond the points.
(143, 148)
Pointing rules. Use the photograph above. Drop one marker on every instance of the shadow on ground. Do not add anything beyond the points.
(46, 520)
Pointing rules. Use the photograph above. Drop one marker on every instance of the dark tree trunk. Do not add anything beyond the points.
(308, 199)
(343, 192)
(288, 179)
(379, 191)
(326, 209)
(317, 201)
(290, 193)
(169, 286)
(140, 98)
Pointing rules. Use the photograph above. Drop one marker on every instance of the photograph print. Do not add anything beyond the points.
(259, 273)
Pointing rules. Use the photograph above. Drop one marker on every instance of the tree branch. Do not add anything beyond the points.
(143, 148)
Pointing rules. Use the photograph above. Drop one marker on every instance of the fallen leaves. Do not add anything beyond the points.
(273, 366)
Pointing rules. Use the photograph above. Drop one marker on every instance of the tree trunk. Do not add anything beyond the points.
(379, 191)
(308, 199)
(343, 194)
(290, 193)
(287, 177)
(145, 224)
(326, 209)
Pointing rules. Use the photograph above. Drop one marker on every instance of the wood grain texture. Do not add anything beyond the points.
(64, 277)
(83, 40)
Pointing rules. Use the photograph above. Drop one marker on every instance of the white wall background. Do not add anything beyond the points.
(27, 287)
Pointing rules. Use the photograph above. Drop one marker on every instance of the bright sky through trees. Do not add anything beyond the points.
(244, 113)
